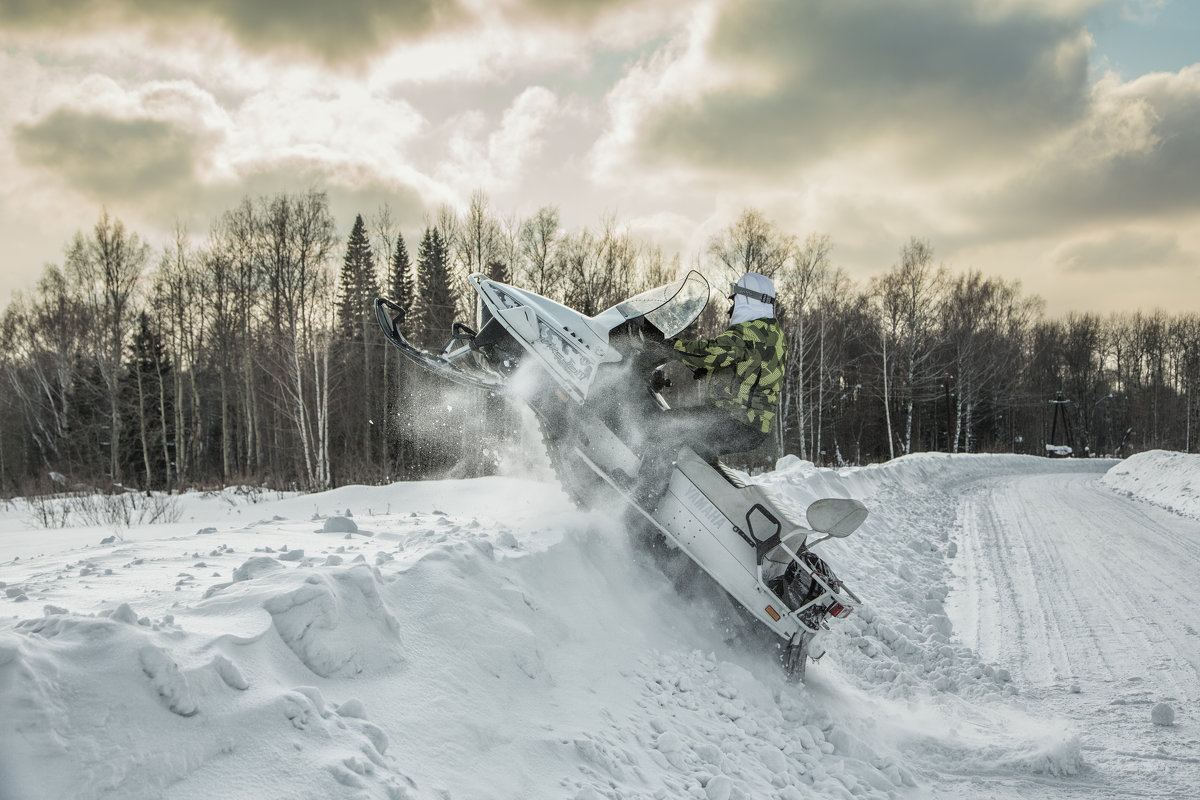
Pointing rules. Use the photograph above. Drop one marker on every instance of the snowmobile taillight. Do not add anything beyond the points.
(838, 610)
(774, 614)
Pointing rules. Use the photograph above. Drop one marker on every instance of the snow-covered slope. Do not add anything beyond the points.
(482, 639)
(1167, 479)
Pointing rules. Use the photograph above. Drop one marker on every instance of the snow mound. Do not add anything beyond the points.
(339, 524)
(337, 623)
(1162, 714)
(1166, 479)
(99, 707)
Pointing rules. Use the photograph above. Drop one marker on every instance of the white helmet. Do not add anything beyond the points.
(753, 298)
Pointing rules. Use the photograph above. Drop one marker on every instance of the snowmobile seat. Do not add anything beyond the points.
(758, 515)
(728, 473)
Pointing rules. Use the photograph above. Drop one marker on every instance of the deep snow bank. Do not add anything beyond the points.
(479, 639)
(1167, 479)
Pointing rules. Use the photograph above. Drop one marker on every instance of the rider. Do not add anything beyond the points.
(742, 368)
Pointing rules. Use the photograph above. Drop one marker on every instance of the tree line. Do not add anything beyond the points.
(252, 355)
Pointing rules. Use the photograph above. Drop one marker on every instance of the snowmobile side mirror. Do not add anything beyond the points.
(836, 516)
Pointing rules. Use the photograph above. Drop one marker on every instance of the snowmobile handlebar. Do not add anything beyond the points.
(465, 333)
(762, 545)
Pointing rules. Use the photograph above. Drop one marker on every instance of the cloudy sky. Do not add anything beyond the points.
(1053, 141)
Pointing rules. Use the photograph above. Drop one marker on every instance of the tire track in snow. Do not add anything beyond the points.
(1064, 612)
(1024, 606)
(1091, 599)
(1146, 582)
(1063, 576)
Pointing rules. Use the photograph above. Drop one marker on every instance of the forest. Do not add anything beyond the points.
(249, 354)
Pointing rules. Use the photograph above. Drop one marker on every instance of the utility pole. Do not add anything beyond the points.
(1060, 409)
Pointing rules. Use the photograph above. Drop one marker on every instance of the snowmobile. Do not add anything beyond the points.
(576, 372)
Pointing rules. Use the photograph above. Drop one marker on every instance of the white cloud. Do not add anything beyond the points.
(521, 133)
(678, 74)
(1143, 12)
(324, 120)
(494, 157)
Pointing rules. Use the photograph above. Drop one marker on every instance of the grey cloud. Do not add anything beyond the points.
(110, 158)
(1124, 250)
(336, 31)
(1160, 181)
(349, 193)
(937, 80)
(149, 166)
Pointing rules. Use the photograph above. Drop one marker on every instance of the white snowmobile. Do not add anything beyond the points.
(576, 372)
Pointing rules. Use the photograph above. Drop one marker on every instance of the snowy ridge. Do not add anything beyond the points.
(1161, 477)
(480, 639)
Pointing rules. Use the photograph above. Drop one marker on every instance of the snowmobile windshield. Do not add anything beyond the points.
(669, 308)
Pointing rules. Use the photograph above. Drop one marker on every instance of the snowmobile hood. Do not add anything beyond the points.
(570, 344)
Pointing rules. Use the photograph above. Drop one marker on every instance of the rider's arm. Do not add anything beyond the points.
(718, 352)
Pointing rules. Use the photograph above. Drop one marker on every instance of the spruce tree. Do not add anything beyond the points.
(359, 285)
(398, 433)
(148, 407)
(401, 290)
(437, 300)
(497, 270)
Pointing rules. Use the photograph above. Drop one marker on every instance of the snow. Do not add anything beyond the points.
(1025, 620)
(1170, 480)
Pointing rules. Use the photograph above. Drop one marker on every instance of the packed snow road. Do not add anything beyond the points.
(1091, 600)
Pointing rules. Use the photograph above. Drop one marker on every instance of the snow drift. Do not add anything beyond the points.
(1170, 480)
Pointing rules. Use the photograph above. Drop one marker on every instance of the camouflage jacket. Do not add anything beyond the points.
(745, 366)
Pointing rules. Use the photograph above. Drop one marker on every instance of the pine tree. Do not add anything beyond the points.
(359, 285)
(436, 292)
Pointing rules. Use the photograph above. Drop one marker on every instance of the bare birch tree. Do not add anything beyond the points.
(751, 244)
(539, 242)
(107, 267)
